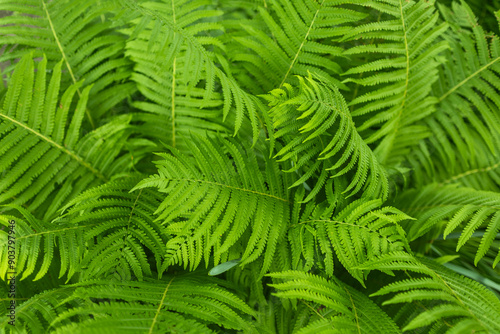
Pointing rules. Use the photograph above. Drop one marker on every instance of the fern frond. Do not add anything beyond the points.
(118, 246)
(197, 54)
(466, 127)
(188, 302)
(213, 202)
(84, 243)
(274, 318)
(294, 41)
(303, 207)
(319, 133)
(474, 165)
(402, 53)
(471, 209)
(38, 312)
(448, 301)
(174, 104)
(80, 33)
(44, 159)
(342, 309)
(362, 230)
(36, 245)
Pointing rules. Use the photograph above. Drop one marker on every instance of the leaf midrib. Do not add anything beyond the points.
(73, 155)
(230, 187)
(463, 82)
(292, 64)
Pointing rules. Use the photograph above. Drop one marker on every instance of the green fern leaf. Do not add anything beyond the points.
(361, 231)
(120, 246)
(473, 210)
(39, 143)
(81, 34)
(186, 303)
(466, 127)
(214, 203)
(316, 124)
(293, 42)
(463, 301)
(175, 109)
(199, 63)
(346, 310)
(402, 51)
(35, 245)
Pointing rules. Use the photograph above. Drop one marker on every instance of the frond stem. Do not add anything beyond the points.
(302, 44)
(469, 172)
(231, 187)
(65, 58)
(456, 296)
(54, 231)
(56, 145)
(405, 93)
(354, 309)
(173, 103)
(463, 82)
(407, 59)
(313, 309)
(160, 306)
(130, 220)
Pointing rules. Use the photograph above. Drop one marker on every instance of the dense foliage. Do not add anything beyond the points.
(253, 166)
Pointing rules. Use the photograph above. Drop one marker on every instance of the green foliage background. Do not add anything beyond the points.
(253, 166)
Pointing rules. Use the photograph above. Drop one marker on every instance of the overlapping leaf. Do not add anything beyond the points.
(219, 200)
(44, 158)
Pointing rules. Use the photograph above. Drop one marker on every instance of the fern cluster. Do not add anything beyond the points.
(250, 166)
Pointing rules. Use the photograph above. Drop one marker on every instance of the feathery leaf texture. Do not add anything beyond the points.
(343, 309)
(77, 32)
(213, 202)
(359, 232)
(465, 143)
(466, 304)
(471, 209)
(167, 71)
(406, 54)
(188, 303)
(295, 45)
(334, 163)
(315, 123)
(43, 155)
(39, 311)
(130, 230)
(36, 245)
(202, 64)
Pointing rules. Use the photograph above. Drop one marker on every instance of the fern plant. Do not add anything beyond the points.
(251, 166)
